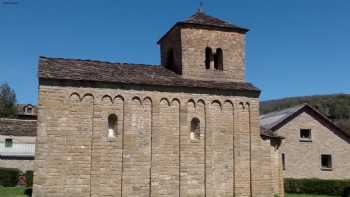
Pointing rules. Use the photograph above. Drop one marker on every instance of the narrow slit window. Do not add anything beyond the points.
(283, 161)
(195, 129)
(170, 59)
(208, 57)
(112, 126)
(219, 59)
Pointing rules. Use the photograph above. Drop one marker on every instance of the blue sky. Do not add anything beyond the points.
(295, 47)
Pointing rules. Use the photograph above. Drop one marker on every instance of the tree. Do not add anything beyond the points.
(7, 101)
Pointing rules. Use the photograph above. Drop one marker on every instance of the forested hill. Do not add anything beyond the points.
(336, 107)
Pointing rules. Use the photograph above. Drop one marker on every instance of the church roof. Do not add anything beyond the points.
(137, 74)
(201, 20)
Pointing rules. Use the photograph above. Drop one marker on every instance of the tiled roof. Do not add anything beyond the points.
(18, 127)
(139, 74)
(200, 18)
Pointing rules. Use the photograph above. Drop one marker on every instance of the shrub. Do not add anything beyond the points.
(316, 186)
(9, 177)
(29, 178)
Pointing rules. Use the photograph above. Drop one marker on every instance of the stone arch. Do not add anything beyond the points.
(228, 107)
(217, 102)
(137, 99)
(175, 101)
(165, 100)
(241, 105)
(106, 99)
(201, 101)
(75, 97)
(191, 103)
(228, 102)
(147, 101)
(118, 97)
(88, 97)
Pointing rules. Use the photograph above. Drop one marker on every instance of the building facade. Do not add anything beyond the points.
(313, 146)
(189, 127)
(17, 139)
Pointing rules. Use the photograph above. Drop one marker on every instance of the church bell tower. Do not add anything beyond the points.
(205, 48)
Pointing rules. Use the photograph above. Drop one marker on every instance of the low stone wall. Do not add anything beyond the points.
(23, 164)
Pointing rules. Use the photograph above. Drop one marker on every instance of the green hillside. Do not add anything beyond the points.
(336, 107)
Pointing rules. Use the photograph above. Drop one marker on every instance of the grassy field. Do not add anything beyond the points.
(306, 195)
(12, 192)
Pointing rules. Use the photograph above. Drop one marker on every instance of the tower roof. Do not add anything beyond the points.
(201, 20)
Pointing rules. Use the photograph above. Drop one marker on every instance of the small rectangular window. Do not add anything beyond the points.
(305, 134)
(8, 143)
(283, 161)
(326, 162)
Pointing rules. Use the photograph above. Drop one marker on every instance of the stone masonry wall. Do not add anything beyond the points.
(172, 42)
(194, 42)
(152, 153)
(189, 46)
(21, 164)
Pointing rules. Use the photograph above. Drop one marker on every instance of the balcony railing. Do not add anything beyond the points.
(17, 150)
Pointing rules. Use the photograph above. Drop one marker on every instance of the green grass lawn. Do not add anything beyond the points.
(306, 195)
(12, 191)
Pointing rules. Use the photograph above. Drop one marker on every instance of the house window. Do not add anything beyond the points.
(195, 129)
(283, 161)
(112, 126)
(305, 134)
(326, 162)
(8, 143)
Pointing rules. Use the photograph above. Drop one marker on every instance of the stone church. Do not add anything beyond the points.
(188, 127)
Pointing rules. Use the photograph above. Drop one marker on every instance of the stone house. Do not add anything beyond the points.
(188, 127)
(17, 139)
(313, 146)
